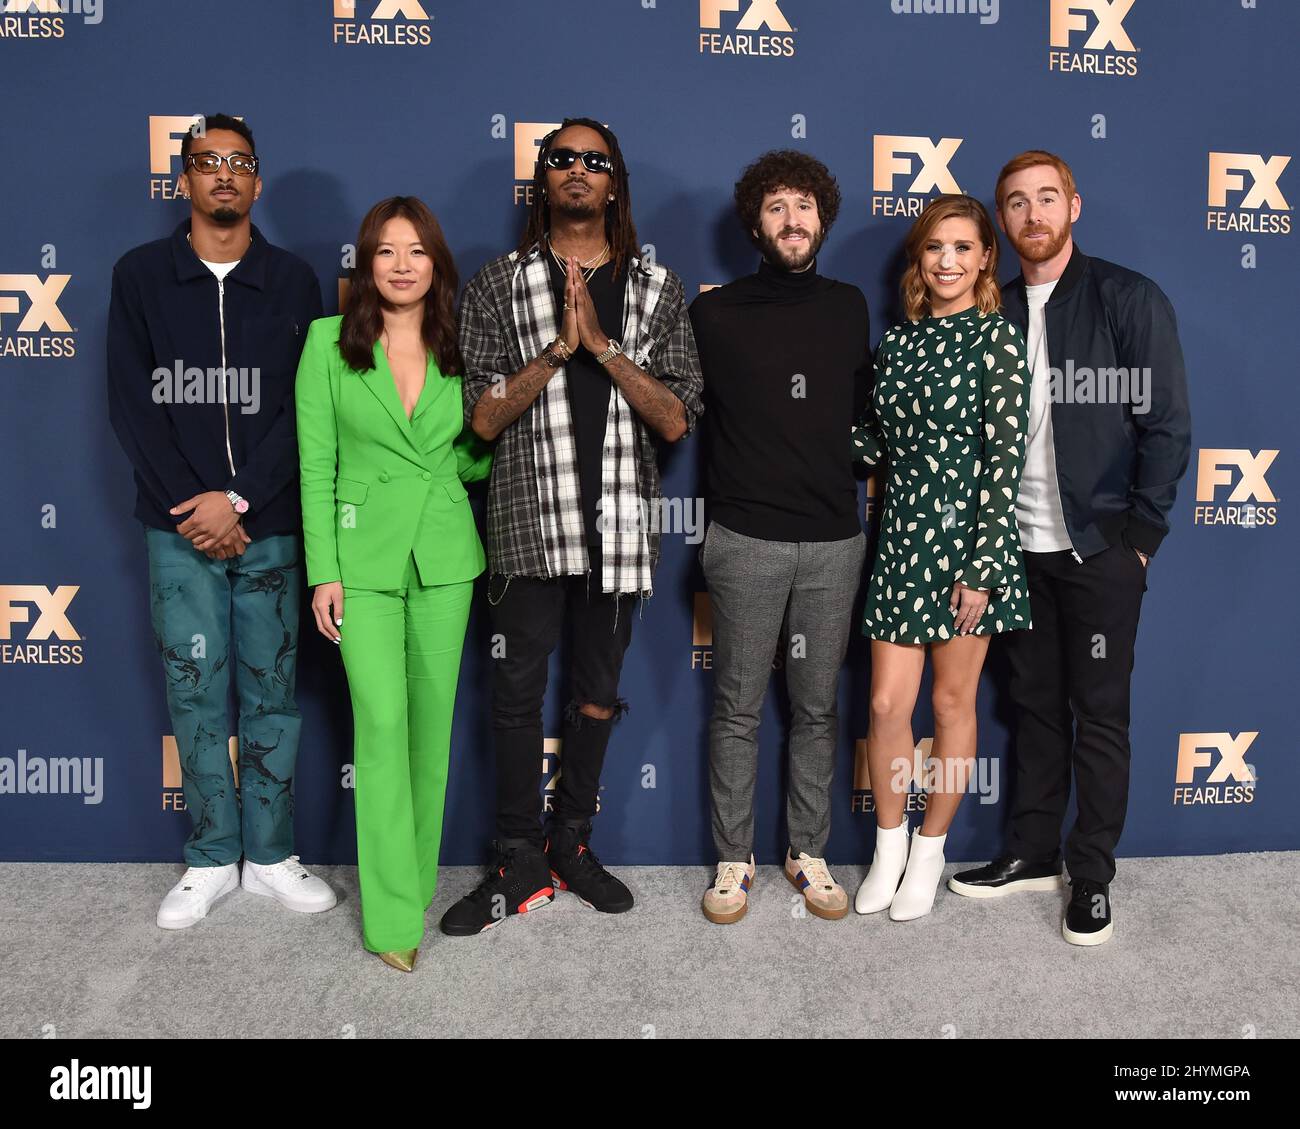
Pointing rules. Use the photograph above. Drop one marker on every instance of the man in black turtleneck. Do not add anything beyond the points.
(786, 358)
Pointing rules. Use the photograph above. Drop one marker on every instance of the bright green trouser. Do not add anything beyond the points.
(402, 652)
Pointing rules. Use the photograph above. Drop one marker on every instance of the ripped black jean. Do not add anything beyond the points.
(528, 618)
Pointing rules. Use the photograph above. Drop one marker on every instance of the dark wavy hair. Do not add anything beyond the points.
(786, 168)
(364, 320)
(619, 228)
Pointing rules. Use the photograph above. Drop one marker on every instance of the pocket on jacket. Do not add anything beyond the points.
(456, 490)
(350, 490)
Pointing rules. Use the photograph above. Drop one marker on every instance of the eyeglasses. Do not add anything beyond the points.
(241, 164)
(593, 160)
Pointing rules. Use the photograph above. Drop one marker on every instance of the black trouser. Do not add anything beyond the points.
(528, 616)
(1070, 683)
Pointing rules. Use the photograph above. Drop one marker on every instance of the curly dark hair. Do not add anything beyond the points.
(786, 168)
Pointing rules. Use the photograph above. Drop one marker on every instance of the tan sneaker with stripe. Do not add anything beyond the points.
(728, 898)
(812, 878)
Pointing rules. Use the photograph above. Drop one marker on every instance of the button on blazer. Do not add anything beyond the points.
(378, 486)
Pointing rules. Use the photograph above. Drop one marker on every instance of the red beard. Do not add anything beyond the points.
(1040, 252)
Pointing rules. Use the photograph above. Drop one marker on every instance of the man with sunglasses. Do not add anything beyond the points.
(578, 356)
(204, 332)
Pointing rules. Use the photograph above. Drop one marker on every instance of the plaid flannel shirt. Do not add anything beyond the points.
(664, 347)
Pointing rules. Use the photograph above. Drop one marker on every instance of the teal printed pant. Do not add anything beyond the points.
(207, 617)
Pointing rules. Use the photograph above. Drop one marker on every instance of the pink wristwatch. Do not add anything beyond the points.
(240, 504)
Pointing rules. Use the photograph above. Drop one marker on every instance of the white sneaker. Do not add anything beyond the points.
(190, 899)
(290, 885)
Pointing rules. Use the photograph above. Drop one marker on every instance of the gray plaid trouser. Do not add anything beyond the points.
(762, 592)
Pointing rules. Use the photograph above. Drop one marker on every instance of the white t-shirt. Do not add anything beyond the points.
(1038, 507)
(220, 269)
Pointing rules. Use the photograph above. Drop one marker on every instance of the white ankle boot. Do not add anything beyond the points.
(915, 897)
(877, 889)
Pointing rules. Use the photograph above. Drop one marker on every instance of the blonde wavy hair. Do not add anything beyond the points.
(916, 295)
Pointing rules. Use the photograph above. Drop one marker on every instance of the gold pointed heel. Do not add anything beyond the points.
(401, 959)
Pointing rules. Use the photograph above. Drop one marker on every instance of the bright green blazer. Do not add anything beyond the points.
(378, 487)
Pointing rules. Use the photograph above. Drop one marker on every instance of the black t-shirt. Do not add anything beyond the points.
(787, 368)
(589, 389)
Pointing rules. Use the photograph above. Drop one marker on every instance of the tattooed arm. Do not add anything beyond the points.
(493, 398)
(658, 404)
(506, 398)
(663, 412)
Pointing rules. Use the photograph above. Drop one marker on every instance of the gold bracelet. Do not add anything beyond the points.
(561, 347)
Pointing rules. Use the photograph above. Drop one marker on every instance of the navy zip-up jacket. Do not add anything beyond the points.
(167, 309)
(1118, 469)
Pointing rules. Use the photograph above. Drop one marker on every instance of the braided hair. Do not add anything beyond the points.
(619, 228)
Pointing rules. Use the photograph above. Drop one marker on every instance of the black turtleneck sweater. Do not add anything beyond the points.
(779, 462)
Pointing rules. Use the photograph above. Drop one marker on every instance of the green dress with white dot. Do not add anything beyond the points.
(947, 417)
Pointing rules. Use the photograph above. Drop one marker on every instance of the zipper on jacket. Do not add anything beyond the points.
(1060, 500)
(225, 410)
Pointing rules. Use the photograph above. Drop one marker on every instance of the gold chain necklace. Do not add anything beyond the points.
(595, 262)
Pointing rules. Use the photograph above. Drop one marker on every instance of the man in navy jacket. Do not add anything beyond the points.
(1109, 438)
(204, 333)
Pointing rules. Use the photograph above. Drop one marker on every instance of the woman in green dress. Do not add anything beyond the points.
(946, 419)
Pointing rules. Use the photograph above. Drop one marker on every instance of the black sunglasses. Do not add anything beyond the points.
(593, 160)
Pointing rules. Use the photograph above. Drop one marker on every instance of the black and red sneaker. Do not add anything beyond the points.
(518, 881)
(575, 868)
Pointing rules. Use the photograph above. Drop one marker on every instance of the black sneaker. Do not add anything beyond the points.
(1087, 917)
(519, 881)
(1008, 875)
(575, 868)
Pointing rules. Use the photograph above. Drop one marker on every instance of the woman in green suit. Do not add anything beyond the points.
(390, 537)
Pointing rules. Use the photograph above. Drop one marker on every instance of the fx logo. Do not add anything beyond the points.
(384, 10)
(165, 132)
(1226, 175)
(1194, 752)
(1071, 15)
(1214, 469)
(893, 155)
(171, 758)
(43, 294)
(759, 14)
(52, 607)
(528, 137)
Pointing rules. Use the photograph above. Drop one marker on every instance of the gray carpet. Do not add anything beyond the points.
(1203, 947)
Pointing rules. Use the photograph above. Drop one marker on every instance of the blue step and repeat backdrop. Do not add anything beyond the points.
(1178, 116)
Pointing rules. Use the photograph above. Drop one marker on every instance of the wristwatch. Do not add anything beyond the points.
(240, 504)
(614, 350)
